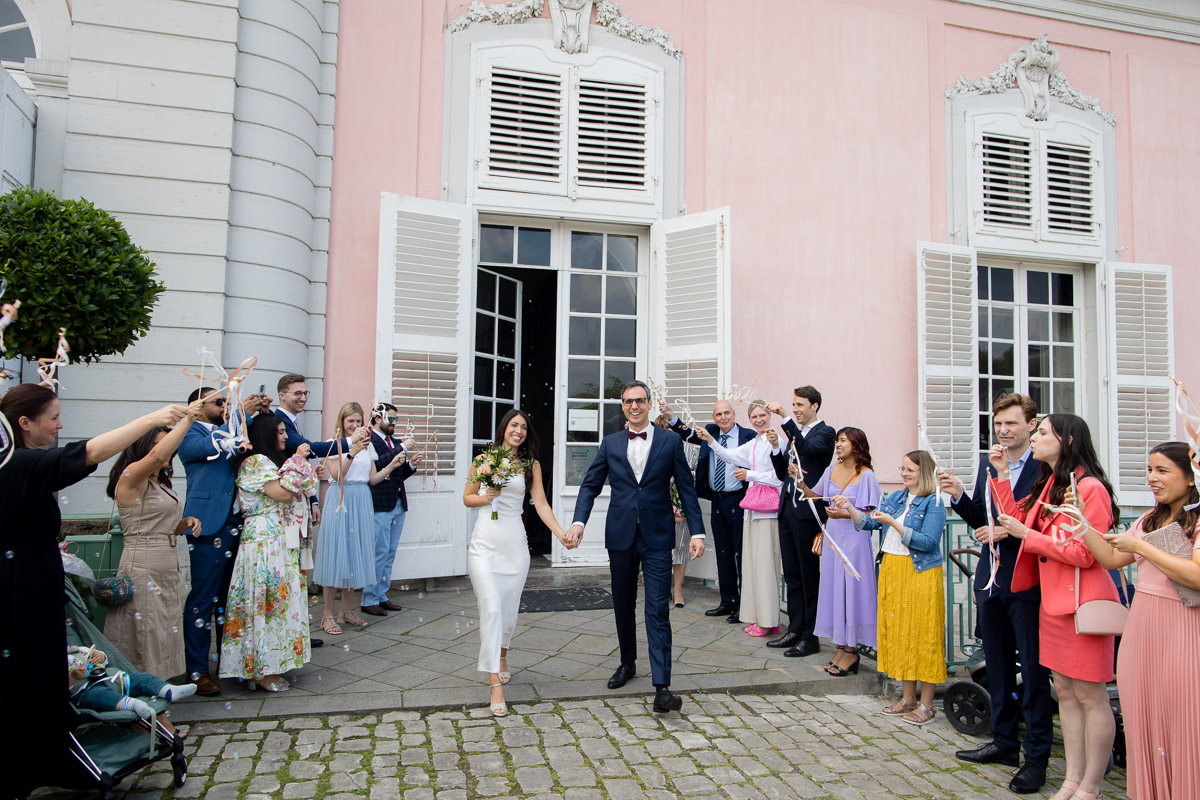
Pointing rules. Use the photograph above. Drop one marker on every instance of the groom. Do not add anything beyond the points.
(639, 463)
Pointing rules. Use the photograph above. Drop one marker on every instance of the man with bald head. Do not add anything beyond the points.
(715, 481)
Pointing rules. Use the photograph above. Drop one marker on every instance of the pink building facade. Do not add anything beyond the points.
(913, 205)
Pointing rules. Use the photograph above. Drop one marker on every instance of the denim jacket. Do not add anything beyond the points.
(922, 527)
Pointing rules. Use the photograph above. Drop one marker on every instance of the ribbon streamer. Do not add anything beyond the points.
(995, 570)
(685, 413)
(825, 537)
(1190, 416)
(923, 443)
(742, 394)
(48, 367)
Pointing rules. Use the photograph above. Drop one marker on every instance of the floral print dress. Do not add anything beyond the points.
(266, 619)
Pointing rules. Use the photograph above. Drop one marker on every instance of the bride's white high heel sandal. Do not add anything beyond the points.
(498, 709)
(505, 676)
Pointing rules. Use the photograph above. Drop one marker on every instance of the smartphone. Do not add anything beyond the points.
(262, 388)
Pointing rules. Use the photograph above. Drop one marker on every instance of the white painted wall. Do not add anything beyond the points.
(279, 202)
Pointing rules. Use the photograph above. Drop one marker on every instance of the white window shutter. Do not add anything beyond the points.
(1003, 178)
(426, 258)
(1072, 196)
(1141, 350)
(690, 275)
(947, 354)
(523, 132)
(612, 134)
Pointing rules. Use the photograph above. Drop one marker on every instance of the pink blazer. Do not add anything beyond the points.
(1052, 565)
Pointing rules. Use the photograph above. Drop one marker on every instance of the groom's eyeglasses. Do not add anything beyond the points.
(635, 401)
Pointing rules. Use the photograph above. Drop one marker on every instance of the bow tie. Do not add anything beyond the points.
(641, 435)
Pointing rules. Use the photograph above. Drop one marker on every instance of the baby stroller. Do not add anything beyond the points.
(102, 742)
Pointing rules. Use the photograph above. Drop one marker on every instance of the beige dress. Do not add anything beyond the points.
(147, 628)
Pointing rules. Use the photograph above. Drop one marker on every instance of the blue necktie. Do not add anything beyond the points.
(719, 472)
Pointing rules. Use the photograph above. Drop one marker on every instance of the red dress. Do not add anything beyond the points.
(1045, 560)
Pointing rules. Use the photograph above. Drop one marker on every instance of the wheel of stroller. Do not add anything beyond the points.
(179, 765)
(968, 707)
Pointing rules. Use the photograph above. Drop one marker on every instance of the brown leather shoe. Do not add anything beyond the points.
(206, 686)
(374, 611)
(389, 605)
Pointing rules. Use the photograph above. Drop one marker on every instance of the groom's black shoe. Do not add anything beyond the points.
(664, 701)
(789, 639)
(721, 611)
(734, 619)
(621, 676)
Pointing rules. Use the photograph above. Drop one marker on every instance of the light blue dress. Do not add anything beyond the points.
(346, 541)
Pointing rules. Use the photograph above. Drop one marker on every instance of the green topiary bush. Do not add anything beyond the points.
(72, 266)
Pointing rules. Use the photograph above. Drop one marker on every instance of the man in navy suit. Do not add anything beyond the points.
(391, 504)
(638, 464)
(798, 527)
(1008, 620)
(715, 481)
(293, 396)
(210, 492)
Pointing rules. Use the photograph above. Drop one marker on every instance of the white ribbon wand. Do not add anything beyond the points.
(685, 413)
(825, 537)
(742, 394)
(48, 367)
(1191, 426)
(659, 391)
(924, 444)
(987, 500)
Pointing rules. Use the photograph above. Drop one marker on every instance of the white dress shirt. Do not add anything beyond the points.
(638, 451)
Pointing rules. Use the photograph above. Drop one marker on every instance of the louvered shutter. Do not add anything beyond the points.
(690, 273)
(611, 137)
(1141, 361)
(1071, 200)
(426, 260)
(948, 377)
(1003, 182)
(523, 132)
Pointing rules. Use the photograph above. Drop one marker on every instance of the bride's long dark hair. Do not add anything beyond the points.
(527, 451)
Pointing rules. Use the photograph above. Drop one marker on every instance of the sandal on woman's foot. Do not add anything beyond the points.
(899, 708)
(274, 685)
(353, 620)
(505, 675)
(841, 672)
(1066, 791)
(330, 626)
(753, 630)
(1082, 795)
(498, 709)
(920, 716)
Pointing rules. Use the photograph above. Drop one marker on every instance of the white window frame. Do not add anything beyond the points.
(461, 134)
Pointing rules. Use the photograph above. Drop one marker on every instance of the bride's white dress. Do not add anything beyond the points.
(498, 562)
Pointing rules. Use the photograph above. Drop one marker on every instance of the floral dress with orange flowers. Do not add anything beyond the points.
(266, 618)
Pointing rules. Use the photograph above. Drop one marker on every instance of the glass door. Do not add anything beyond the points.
(496, 374)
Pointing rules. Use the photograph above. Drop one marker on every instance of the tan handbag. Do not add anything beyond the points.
(1173, 541)
(1100, 617)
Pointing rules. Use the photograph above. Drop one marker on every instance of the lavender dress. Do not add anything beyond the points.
(846, 608)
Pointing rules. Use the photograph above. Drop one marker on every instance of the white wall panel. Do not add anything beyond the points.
(170, 90)
(181, 162)
(141, 48)
(192, 19)
(149, 123)
(138, 195)
(266, 143)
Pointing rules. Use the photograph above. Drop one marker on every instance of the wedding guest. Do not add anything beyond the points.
(31, 570)
(1069, 574)
(715, 481)
(846, 609)
(346, 546)
(912, 600)
(390, 503)
(498, 556)
(760, 537)
(210, 499)
(266, 618)
(146, 627)
(1160, 647)
(1008, 620)
(681, 555)
(799, 526)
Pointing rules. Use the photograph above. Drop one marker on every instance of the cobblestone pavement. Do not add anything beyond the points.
(720, 746)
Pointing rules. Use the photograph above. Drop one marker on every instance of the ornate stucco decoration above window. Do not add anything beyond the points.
(1033, 69)
(570, 19)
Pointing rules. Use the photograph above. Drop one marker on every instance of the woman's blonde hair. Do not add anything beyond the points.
(926, 472)
(346, 410)
(755, 404)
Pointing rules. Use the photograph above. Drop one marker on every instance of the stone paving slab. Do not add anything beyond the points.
(424, 657)
(720, 746)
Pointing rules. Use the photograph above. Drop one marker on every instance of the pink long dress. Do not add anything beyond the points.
(1160, 694)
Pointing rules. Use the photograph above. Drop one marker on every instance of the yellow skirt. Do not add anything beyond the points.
(912, 621)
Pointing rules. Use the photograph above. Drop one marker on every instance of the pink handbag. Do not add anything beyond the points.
(1100, 617)
(760, 497)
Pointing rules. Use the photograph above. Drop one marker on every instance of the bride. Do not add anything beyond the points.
(498, 556)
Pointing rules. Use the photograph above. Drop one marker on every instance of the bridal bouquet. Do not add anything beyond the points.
(495, 467)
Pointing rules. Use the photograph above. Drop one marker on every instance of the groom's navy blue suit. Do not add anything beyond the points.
(640, 531)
